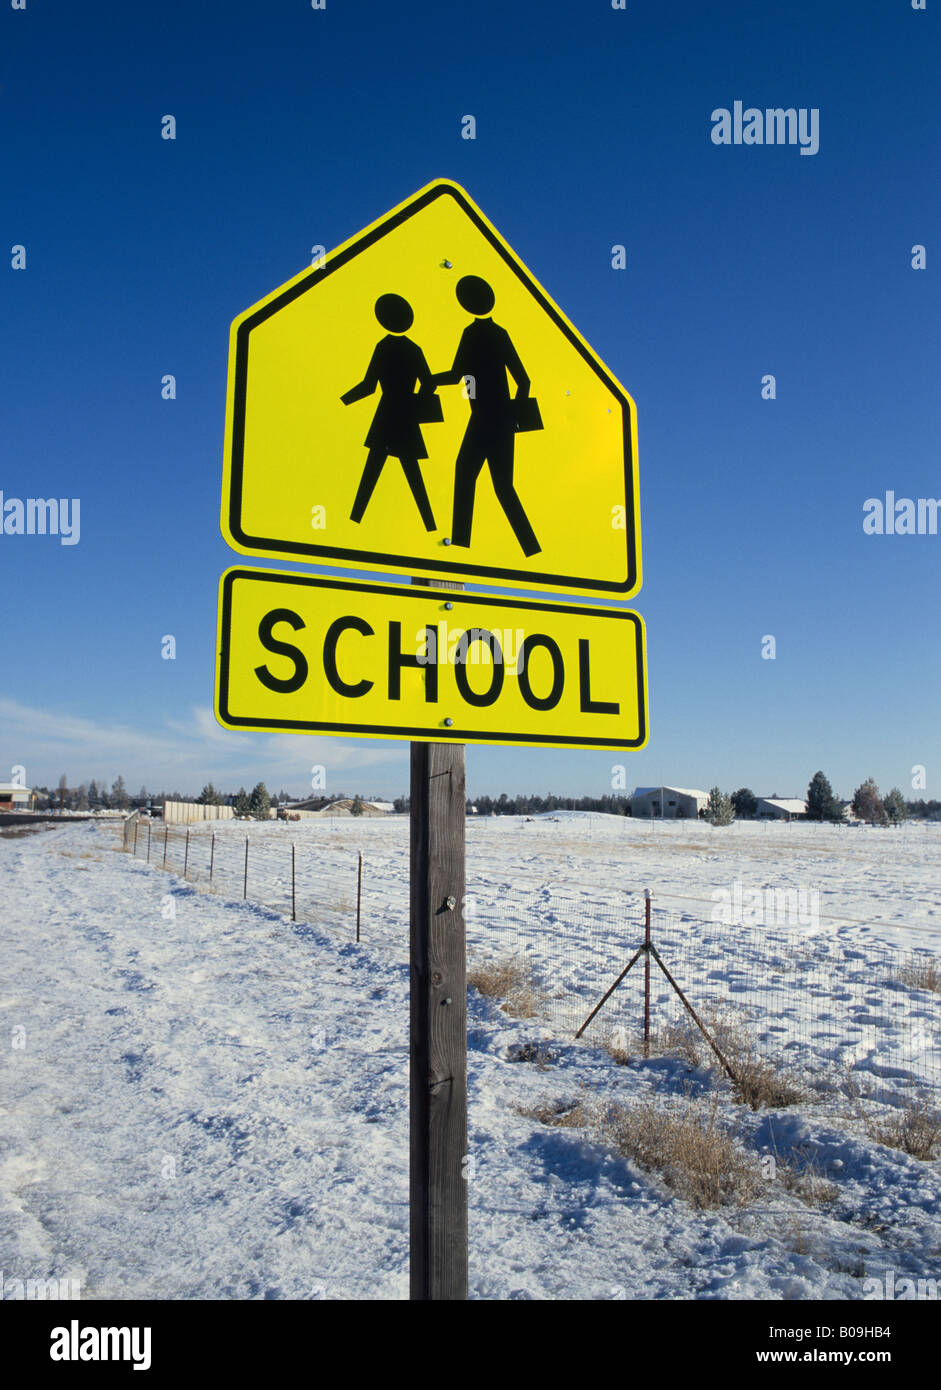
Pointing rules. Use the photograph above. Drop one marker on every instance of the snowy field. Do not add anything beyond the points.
(202, 1099)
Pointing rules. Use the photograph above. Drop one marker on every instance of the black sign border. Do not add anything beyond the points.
(435, 735)
(371, 559)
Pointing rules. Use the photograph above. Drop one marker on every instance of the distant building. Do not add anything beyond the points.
(315, 806)
(16, 798)
(781, 808)
(668, 803)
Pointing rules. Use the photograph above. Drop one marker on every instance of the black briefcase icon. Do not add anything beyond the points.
(428, 409)
(526, 414)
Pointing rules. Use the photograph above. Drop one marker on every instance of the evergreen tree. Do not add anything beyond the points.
(94, 799)
(821, 803)
(209, 796)
(719, 811)
(119, 796)
(744, 803)
(357, 807)
(241, 806)
(867, 803)
(894, 806)
(259, 803)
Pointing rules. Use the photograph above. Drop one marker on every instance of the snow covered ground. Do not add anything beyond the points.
(201, 1099)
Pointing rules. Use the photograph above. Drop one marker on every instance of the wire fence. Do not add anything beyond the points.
(821, 1004)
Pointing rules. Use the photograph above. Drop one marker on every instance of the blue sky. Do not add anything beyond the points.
(298, 127)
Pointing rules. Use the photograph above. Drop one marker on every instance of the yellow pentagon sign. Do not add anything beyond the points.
(417, 402)
(309, 654)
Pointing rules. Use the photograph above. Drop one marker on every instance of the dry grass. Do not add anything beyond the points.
(510, 980)
(11, 832)
(560, 1114)
(539, 1053)
(921, 972)
(916, 1130)
(689, 1147)
(618, 1051)
(757, 1082)
(805, 1181)
(696, 1156)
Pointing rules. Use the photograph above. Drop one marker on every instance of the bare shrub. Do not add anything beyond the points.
(618, 1052)
(539, 1053)
(757, 1082)
(916, 1130)
(804, 1179)
(921, 972)
(511, 980)
(563, 1114)
(695, 1155)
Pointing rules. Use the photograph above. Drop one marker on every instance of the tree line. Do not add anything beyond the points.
(96, 796)
(504, 805)
(868, 803)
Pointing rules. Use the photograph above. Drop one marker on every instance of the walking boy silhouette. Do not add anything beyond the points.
(395, 366)
(486, 353)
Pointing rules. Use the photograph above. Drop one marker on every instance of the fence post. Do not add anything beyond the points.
(293, 887)
(136, 824)
(166, 835)
(359, 893)
(646, 972)
(186, 856)
(245, 882)
(212, 857)
(149, 829)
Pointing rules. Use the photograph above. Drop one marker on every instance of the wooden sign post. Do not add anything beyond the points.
(438, 1025)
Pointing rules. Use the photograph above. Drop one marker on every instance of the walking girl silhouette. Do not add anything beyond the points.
(396, 365)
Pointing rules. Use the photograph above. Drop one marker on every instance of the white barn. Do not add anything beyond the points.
(668, 803)
(13, 797)
(780, 808)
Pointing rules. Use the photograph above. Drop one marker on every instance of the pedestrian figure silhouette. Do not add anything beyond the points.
(485, 354)
(395, 366)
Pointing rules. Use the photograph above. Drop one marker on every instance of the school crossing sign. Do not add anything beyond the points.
(415, 401)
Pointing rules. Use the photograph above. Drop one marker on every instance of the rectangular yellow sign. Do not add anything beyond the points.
(315, 655)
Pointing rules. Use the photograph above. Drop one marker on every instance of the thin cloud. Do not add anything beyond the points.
(183, 754)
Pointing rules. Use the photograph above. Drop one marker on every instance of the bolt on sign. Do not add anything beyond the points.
(416, 401)
(316, 655)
